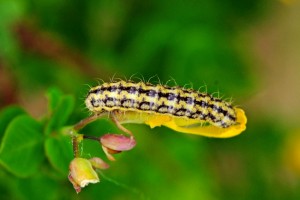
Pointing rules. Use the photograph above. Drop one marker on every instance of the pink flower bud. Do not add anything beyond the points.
(116, 143)
(82, 173)
(98, 163)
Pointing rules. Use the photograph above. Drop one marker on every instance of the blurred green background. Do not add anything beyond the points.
(245, 50)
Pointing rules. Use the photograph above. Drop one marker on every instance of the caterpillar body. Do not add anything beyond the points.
(158, 99)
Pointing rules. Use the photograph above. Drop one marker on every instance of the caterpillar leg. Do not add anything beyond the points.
(118, 124)
(88, 120)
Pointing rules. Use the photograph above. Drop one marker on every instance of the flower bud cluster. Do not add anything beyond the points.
(82, 171)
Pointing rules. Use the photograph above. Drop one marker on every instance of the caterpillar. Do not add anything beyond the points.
(177, 102)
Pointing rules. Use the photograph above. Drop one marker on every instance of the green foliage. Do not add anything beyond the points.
(61, 110)
(59, 152)
(27, 142)
(54, 98)
(7, 115)
(30, 188)
(22, 146)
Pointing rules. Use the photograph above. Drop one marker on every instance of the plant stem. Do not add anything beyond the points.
(75, 146)
(91, 137)
(77, 137)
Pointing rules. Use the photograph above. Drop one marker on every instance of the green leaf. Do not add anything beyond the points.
(54, 96)
(6, 184)
(59, 152)
(7, 115)
(21, 151)
(34, 188)
(60, 114)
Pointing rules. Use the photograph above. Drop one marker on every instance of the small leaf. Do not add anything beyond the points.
(59, 152)
(7, 115)
(21, 151)
(60, 114)
(54, 96)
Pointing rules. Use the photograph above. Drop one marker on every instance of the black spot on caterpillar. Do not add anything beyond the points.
(158, 99)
